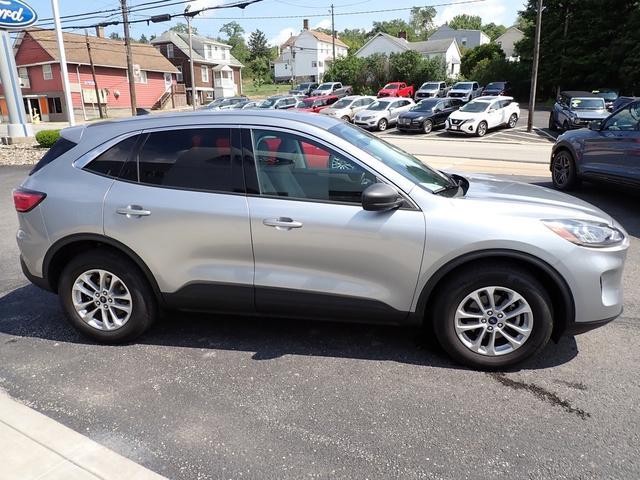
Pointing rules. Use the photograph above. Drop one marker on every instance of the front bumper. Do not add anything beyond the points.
(410, 126)
(466, 127)
(371, 123)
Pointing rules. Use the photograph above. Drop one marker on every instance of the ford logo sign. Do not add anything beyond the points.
(16, 14)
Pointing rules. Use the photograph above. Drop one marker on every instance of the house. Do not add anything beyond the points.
(447, 49)
(507, 42)
(305, 57)
(36, 53)
(217, 72)
(465, 38)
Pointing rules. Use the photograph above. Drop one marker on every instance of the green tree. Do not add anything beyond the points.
(355, 38)
(350, 70)
(260, 71)
(466, 22)
(472, 57)
(258, 47)
(234, 31)
(181, 27)
(393, 28)
(493, 31)
(143, 39)
(115, 36)
(421, 21)
(406, 66)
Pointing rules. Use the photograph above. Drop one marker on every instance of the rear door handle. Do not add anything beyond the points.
(133, 211)
(282, 223)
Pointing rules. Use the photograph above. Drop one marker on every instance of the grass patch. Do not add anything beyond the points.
(265, 90)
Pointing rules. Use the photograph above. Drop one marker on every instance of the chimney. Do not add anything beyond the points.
(305, 24)
(402, 35)
(100, 32)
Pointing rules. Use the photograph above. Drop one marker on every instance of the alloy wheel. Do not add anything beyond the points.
(493, 321)
(427, 126)
(513, 119)
(561, 168)
(382, 125)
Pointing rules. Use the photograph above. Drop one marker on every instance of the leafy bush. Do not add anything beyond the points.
(46, 138)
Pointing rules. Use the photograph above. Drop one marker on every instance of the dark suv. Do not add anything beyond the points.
(575, 109)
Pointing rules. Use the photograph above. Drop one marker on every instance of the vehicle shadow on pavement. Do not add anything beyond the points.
(29, 312)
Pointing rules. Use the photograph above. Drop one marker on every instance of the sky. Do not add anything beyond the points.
(277, 30)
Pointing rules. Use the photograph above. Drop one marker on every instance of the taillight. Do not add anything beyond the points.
(26, 200)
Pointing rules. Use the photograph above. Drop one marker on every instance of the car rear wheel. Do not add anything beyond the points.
(382, 124)
(492, 316)
(346, 118)
(427, 126)
(106, 297)
(563, 171)
(513, 120)
(481, 130)
(552, 123)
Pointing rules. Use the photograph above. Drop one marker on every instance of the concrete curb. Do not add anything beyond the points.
(33, 446)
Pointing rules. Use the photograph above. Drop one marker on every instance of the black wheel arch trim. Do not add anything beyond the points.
(98, 239)
(564, 145)
(563, 290)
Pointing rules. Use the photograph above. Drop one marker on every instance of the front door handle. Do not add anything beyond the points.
(133, 211)
(282, 223)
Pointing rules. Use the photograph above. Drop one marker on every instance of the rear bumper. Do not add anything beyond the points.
(37, 281)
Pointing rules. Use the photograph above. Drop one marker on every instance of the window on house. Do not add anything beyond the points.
(464, 41)
(169, 50)
(320, 63)
(54, 104)
(47, 74)
(179, 77)
(140, 77)
(24, 76)
(204, 72)
(314, 64)
(208, 51)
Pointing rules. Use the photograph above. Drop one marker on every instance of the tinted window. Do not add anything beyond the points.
(294, 167)
(59, 148)
(110, 163)
(198, 159)
(625, 120)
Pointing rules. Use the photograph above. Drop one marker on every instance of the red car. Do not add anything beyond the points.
(315, 157)
(396, 89)
(315, 104)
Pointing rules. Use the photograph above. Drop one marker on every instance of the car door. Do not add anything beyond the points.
(495, 114)
(614, 150)
(317, 252)
(441, 112)
(180, 205)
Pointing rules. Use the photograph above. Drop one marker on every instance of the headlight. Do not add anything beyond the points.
(586, 233)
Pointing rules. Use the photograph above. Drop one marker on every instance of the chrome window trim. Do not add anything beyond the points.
(95, 152)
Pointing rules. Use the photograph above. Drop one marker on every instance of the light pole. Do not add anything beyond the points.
(127, 43)
(534, 68)
(71, 118)
(194, 97)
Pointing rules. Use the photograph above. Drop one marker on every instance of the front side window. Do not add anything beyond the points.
(295, 167)
(191, 159)
(625, 120)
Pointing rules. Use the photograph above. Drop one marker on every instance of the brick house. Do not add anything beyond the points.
(217, 72)
(36, 53)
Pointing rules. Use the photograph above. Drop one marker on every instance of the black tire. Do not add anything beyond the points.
(427, 126)
(144, 309)
(383, 124)
(552, 123)
(565, 126)
(481, 130)
(564, 174)
(346, 119)
(513, 121)
(456, 288)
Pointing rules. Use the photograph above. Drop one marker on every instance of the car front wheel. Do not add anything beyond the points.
(481, 130)
(382, 124)
(563, 171)
(492, 316)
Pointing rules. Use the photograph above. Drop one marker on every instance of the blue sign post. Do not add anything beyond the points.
(14, 15)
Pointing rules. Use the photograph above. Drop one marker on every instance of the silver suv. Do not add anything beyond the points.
(306, 216)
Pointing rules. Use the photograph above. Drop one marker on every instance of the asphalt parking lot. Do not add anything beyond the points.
(204, 397)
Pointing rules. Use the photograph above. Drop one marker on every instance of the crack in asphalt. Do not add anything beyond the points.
(540, 393)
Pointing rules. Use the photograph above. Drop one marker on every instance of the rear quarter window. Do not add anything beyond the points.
(58, 149)
(111, 162)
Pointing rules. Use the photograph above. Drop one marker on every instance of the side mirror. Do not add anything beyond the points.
(381, 197)
(595, 125)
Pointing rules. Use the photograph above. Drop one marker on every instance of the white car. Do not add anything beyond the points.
(482, 114)
(383, 113)
(347, 107)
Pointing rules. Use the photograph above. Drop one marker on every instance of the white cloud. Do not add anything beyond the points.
(495, 11)
(282, 36)
(324, 23)
(200, 4)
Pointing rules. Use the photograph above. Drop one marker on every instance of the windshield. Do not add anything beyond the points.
(308, 103)
(378, 106)
(423, 106)
(493, 85)
(463, 86)
(587, 103)
(475, 107)
(303, 86)
(406, 165)
(240, 105)
(267, 103)
(430, 86)
(325, 86)
(391, 86)
(344, 103)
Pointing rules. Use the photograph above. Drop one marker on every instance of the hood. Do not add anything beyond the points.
(530, 200)
(592, 114)
(455, 90)
(370, 113)
(334, 111)
(458, 115)
(429, 90)
(415, 114)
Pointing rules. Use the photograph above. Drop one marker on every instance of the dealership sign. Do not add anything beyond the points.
(15, 14)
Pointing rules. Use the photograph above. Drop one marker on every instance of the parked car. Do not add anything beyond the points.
(396, 89)
(609, 96)
(277, 102)
(124, 218)
(574, 109)
(429, 113)
(304, 89)
(332, 88)
(482, 114)
(347, 107)
(432, 89)
(467, 91)
(224, 103)
(607, 151)
(382, 113)
(244, 105)
(315, 104)
(497, 88)
(622, 101)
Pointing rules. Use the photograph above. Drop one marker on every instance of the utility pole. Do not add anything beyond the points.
(127, 43)
(93, 73)
(333, 35)
(194, 97)
(564, 45)
(534, 68)
(293, 66)
(71, 118)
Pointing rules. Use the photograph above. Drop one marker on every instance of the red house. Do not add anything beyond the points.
(37, 59)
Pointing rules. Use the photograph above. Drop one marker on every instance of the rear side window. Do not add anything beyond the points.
(194, 159)
(59, 148)
(110, 163)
